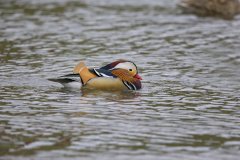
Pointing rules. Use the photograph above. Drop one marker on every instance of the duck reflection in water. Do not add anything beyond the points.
(115, 95)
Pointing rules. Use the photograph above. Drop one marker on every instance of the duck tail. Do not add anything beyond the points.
(84, 72)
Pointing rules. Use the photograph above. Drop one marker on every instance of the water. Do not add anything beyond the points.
(188, 108)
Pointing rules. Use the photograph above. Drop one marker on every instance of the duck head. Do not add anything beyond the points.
(129, 66)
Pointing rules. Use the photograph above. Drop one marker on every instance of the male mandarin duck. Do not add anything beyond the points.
(226, 9)
(118, 75)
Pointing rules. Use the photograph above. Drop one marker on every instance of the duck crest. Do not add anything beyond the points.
(113, 64)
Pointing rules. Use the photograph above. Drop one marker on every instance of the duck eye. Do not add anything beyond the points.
(130, 69)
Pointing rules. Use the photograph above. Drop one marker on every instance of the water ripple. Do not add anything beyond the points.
(188, 107)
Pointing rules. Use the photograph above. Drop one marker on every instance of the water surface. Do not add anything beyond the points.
(188, 108)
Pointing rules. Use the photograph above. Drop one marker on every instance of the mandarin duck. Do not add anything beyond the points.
(118, 75)
(225, 9)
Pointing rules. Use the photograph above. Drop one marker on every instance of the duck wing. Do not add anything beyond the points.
(102, 73)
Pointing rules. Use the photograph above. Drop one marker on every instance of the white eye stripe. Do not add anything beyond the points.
(126, 65)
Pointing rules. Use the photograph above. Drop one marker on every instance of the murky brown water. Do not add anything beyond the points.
(189, 107)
